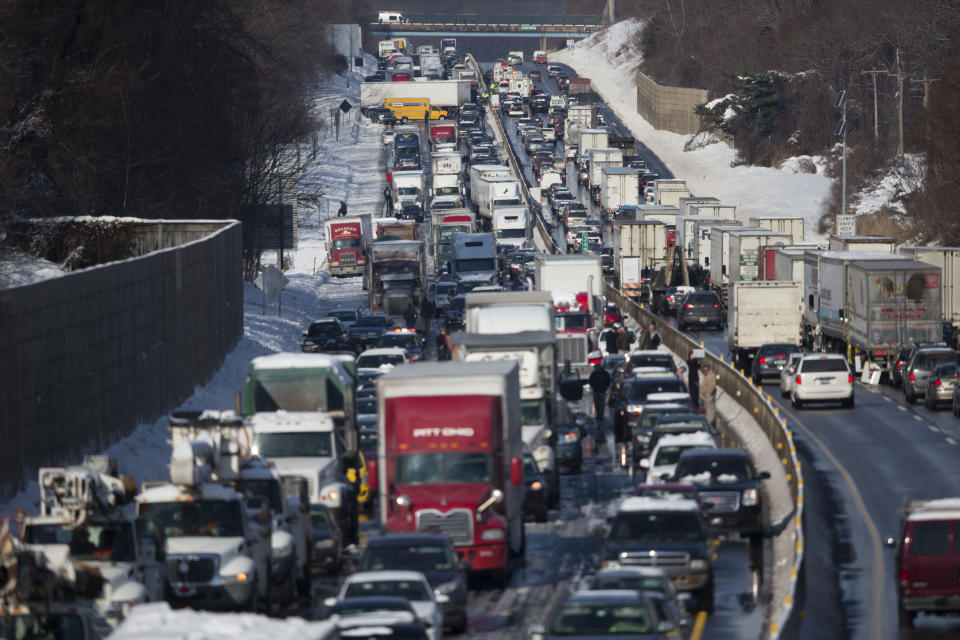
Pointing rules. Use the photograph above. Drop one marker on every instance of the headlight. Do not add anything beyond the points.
(610, 564)
(641, 437)
(323, 544)
(698, 564)
(446, 588)
(536, 485)
(571, 436)
(750, 498)
(634, 408)
(492, 534)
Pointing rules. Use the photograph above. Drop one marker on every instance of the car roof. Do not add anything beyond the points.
(409, 539)
(384, 351)
(651, 503)
(375, 576)
(694, 438)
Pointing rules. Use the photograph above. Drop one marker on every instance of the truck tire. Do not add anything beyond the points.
(849, 402)
(797, 402)
(905, 618)
(910, 398)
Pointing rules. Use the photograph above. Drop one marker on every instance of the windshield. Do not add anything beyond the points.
(447, 289)
(531, 412)
(343, 316)
(41, 626)
(324, 329)
(656, 526)
(571, 322)
(208, 518)
(816, 365)
(409, 589)
(266, 488)
(512, 233)
(447, 191)
(476, 264)
(371, 321)
(650, 417)
(428, 468)
(671, 453)
(107, 542)
(631, 582)
(407, 557)
(640, 389)
(295, 394)
(502, 202)
(664, 362)
(368, 440)
(354, 608)
(706, 470)
(398, 283)
(347, 243)
(293, 444)
(321, 520)
(447, 232)
(374, 361)
(600, 619)
(408, 191)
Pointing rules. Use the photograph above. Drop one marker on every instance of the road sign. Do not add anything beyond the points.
(345, 106)
(528, 27)
(846, 225)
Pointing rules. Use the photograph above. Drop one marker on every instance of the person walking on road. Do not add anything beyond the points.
(599, 382)
(708, 393)
(655, 338)
(410, 316)
(623, 340)
(343, 209)
(443, 344)
(693, 381)
(612, 339)
(643, 339)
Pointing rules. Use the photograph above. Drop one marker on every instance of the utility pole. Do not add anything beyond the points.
(899, 76)
(926, 88)
(876, 125)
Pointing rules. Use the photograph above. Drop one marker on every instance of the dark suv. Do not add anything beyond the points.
(770, 360)
(728, 485)
(633, 397)
(669, 534)
(431, 554)
(324, 335)
(919, 368)
(701, 309)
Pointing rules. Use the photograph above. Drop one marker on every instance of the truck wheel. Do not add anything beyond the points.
(849, 402)
(905, 618)
(909, 397)
(797, 402)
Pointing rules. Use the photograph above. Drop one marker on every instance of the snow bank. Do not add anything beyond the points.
(607, 58)
(158, 620)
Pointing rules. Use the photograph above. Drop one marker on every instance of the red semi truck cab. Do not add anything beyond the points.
(346, 245)
(443, 132)
(451, 457)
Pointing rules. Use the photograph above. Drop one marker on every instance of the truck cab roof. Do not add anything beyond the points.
(169, 492)
(277, 421)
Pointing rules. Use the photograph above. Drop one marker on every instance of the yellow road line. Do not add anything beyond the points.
(699, 625)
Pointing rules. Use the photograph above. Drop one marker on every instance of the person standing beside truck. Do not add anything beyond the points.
(410, 316)
(693, 381)
(599, 382)
(612, 340)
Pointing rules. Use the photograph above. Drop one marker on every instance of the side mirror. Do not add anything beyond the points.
(516, 471)
(890, 542)
(763, 475)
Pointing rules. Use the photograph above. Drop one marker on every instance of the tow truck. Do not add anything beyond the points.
(232, 540)
(82, 513)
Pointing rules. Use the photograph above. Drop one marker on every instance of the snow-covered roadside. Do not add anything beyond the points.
(350, 170)
(756, 191)
(157, 619)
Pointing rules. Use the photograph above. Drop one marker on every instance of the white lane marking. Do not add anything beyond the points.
(901, 407)
(916, 417)
(951, 440)
(932, 428)
(888, 398)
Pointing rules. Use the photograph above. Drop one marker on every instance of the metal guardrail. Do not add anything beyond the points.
(514, 164)
(754, 400)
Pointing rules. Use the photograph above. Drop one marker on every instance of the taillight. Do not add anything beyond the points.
(718, 306)
(899, 363)
(850, 378)
(912, 378)
(762, 360)
(936, 383)
(798, 380)
(688, 306)
(904, 576)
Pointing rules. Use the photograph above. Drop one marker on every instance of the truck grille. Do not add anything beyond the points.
(348, 258)
(720, 501)
(198, 568)
(454, 523)
(572, 347)
(396, 305)
(654, 559)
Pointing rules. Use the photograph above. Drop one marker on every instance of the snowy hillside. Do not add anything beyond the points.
(608, 60)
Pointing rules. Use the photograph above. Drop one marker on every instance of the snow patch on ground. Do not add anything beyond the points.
(158, 620)
(18, 268)
(756, 191)
(892, 186)
(350, 170)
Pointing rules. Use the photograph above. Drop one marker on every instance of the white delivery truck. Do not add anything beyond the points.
(702, 240)
(759, 313)
(619, 187)
(745, 252)
(496, 191)
(665, 213)
(688, 227)
(440, 93)
(598, 159)
(873, 244)
(430, 66)
(505, 312)
(644, 239)
(948, 259)
(726, 211)
(669, 192)
(720, 252)
(791, 225)
(446, 188)
(478, 171)
(788, 264)
(592, 139)
(446, 162)
(576, 284)
(511, 225)
(689, 201)
(408, 187)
